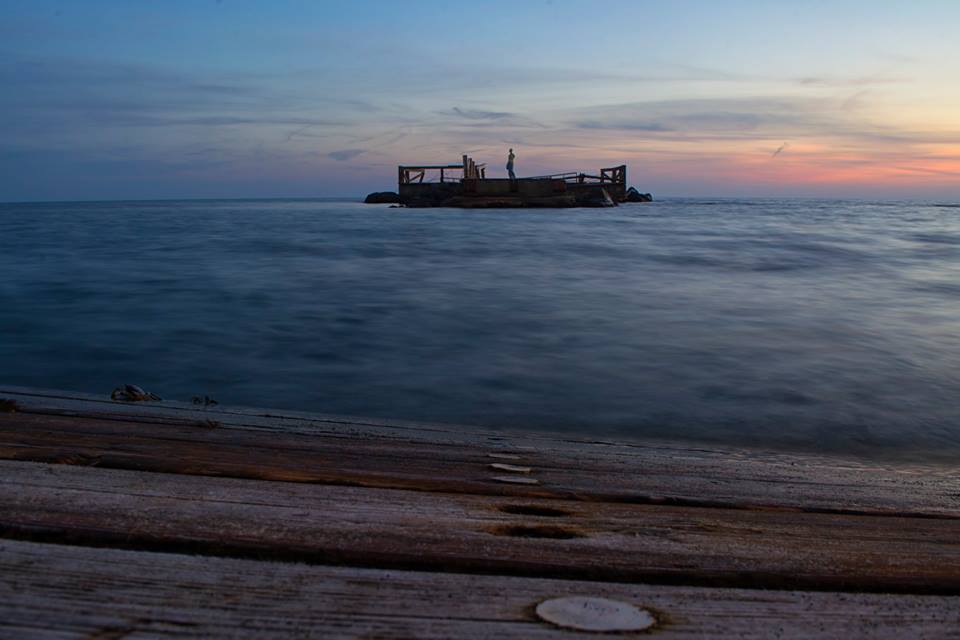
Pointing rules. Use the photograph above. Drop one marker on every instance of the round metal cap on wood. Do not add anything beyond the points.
(600, 615)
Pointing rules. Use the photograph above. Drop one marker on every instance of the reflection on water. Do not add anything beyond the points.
(816, 325)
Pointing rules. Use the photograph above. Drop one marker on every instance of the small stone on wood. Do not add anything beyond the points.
(133, 393)
(599, 615)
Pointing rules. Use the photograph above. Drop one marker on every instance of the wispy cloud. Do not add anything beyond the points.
(855, 81)
(345, 154)
(749, 119)
(624, 126)
(680, 118)
(66, 94)
(929, 171)
(479, 114)
(297, 132)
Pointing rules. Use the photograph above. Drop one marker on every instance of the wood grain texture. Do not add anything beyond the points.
(177, 439)
(491, 534)
(53, 591)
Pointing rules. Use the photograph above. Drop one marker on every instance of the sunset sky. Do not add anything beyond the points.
(206, 98)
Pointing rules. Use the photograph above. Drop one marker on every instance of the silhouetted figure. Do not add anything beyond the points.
(510, 158)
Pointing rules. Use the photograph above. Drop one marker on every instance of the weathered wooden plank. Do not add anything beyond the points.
(563, 469)
(54, 591)
(552, 538)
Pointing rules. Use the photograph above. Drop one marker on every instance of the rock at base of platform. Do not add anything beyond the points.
(383, 197)
(633, 195)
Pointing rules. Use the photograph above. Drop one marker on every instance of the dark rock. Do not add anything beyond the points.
(383, 197)
(595, 198)
(437, 195)
(633, 195)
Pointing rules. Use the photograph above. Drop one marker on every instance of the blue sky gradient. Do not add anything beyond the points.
(110, 99)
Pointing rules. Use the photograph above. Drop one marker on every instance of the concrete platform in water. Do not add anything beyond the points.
(155, 519)
(466, 185)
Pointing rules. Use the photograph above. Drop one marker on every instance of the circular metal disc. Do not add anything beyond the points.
(584, 613)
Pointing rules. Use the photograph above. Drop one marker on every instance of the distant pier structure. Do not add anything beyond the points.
(466, 185)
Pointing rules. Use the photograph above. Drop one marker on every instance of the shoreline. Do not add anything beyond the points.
(852, 459)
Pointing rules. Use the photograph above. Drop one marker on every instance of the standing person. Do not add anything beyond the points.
(510, 158)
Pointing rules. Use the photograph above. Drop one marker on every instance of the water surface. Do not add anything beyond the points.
(807, 325)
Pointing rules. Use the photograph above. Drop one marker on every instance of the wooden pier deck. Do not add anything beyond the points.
(162, 519)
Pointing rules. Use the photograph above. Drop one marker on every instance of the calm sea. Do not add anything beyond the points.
(805, 325)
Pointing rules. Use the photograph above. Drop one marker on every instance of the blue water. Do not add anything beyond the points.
(805, 325)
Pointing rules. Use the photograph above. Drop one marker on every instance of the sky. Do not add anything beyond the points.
(235, 99)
